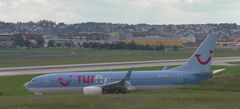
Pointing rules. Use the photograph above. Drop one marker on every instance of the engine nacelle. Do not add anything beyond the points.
(92, 90)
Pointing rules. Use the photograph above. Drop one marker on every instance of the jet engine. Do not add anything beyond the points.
(92, 90)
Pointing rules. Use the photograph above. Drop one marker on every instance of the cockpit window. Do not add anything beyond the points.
(34, 80)
(46, 80)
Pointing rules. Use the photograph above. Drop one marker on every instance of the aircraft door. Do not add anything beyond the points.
(180, 78)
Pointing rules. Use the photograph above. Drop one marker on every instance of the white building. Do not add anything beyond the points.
(190, 38)
(238, 45)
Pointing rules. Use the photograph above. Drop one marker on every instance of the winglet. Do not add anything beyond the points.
(165, 67)
(128, 75)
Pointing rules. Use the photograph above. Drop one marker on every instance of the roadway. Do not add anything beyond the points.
(103, 66)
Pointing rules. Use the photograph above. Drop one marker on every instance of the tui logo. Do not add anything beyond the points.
(79, 79)
(63, 82)
(198, 56)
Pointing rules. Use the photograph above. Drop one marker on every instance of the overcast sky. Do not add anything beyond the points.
(122, 11)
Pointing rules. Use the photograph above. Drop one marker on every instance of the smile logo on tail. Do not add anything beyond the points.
(63, 82)
(197, 56)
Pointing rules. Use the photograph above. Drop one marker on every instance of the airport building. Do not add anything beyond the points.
(6, 41)
(156, 40)
(227, 43)
(77, 40)
(238, 45)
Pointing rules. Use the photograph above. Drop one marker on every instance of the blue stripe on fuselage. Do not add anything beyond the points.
(138, 78)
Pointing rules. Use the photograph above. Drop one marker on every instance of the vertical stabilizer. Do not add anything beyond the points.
(202, 58)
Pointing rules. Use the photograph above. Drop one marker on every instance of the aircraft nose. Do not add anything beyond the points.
(26, 85)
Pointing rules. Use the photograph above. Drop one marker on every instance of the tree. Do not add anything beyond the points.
(161, 47)
(19, 40)
(132, 46)
(120, 45)
(85, 45)
(28, 44)
(40, 42)
(175, 48)
(147, 47)
(51, 43)
(93, 45)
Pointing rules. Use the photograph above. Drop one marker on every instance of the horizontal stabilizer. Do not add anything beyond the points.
(217, 71)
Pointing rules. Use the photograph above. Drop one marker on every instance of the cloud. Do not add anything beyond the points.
(195, 1)
(2, 5)
(34, 10)
(121, 11)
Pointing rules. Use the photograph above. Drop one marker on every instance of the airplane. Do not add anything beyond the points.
(195, 70)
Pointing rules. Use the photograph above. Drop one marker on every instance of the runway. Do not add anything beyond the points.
(103, 66)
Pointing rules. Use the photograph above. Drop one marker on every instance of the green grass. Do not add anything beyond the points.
(211, 100)
(13, 85)
(237, 63)
(57, 56)
(220, 92)
(227, 80)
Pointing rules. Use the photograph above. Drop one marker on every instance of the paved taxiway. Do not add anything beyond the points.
(102, 66)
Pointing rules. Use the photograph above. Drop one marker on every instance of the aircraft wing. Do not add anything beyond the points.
(118, 86)
(165, 67)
